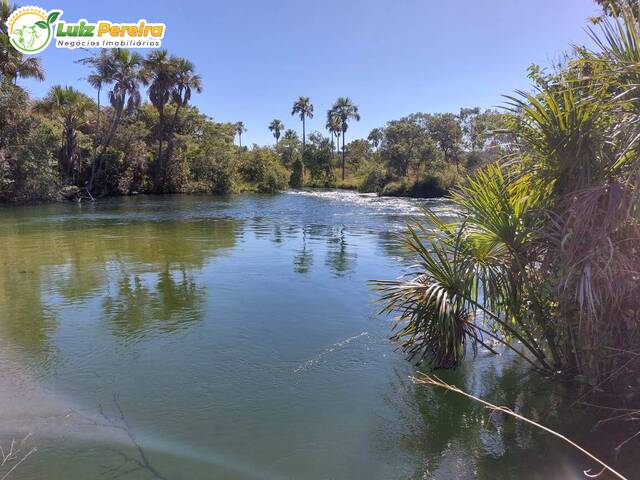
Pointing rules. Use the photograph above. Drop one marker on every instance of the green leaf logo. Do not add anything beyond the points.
(30, 29)
(53, 16)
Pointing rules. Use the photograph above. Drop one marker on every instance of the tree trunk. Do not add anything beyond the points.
(95, 144)
(343, 134)
(112, 132)
(160, 134)
(170, 144)
(304, 144)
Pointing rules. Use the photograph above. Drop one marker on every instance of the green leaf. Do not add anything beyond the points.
(53, 16)
(42, 24)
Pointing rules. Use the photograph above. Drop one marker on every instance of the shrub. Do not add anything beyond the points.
(429, 186)
(395, 189)
(374, 179)
(295, 181)
(28, 173)
(261, 168)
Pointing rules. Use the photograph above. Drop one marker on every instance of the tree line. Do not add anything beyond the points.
(150, 138)
(420, 154)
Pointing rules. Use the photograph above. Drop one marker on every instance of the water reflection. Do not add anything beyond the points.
(143, 270)
(200, 311)
(166, 301)
(339, 259)
(303, 259)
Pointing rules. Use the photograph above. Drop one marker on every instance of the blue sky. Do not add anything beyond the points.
(391, 57)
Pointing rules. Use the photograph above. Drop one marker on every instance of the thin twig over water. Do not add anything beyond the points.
(434, 381)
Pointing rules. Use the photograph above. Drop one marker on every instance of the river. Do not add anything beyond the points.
(197, 337)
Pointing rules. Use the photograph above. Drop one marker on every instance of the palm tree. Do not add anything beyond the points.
(71, 109)
(276, 126)
(13, 64)
(186, 82)
(334, 127)
(5, 12)
(159, 75)
(104, 68)
(125, 94)
(290, 135)
(240, 129)
(304, 108)
(345, 110)
(123, 70)
(375, 137)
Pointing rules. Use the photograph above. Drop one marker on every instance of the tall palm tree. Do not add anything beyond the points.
(345, 110)
(125, 94)
(240, 129)
(334, 127)
(276, 126)
(159, 75)
(304, 108)
(186, 82)
(123, 71)
(104, 67)
(70, 108)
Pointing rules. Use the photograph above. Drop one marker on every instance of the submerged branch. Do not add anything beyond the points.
(434, 381)
(15, 455)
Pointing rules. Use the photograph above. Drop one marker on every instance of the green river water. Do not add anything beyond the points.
(195, 337)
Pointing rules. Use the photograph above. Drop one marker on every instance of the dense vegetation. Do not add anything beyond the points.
(545, 261)
(67, 144)
(419, 155)
(70, 145)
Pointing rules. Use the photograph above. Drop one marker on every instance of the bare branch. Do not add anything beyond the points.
(434, 381)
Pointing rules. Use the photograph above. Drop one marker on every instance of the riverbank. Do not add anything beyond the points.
(416, 190)
(434, 185)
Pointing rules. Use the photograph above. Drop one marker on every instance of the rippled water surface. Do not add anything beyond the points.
(187, 337)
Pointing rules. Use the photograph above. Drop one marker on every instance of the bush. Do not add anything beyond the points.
(317, 158)
(261, 168)
(429, 186)
(374, 179)
(395, 189)
(28, 173)
(275, 179)
(296, 179)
